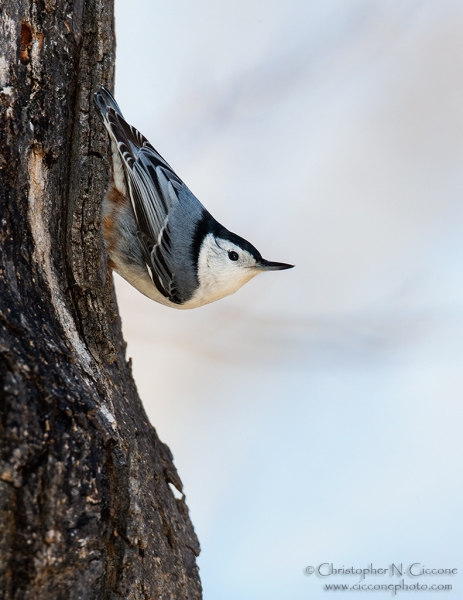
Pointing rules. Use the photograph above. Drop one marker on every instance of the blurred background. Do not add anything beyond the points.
(315, 416)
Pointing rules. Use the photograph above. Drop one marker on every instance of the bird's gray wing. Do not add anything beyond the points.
(153, 188)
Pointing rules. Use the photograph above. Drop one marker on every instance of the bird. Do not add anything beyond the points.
(158, 235)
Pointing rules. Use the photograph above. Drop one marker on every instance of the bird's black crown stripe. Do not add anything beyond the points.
(203, 227)
(209, 225)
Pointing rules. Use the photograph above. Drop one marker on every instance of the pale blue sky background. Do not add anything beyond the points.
(316, 416)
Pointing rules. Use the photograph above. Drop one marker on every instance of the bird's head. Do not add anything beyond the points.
(226, 262)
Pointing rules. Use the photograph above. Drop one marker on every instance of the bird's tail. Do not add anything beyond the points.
(128, 140)
(104, 100)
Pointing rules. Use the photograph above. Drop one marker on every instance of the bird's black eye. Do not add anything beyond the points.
(232, 255)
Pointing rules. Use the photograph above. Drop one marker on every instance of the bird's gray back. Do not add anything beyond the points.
(184, 219)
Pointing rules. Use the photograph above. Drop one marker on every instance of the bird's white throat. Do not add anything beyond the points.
(218, 275)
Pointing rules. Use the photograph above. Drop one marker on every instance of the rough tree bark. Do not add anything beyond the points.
(86, 510)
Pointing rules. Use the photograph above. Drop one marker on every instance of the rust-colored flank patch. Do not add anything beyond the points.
(114, 195)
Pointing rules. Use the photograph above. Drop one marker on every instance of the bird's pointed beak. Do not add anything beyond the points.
(266, 265)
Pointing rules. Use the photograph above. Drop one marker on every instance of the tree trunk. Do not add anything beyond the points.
(86, 510)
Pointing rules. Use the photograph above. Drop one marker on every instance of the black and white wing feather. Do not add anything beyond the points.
(153, 189)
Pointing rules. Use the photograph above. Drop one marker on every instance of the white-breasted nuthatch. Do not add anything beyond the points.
(158, 235)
